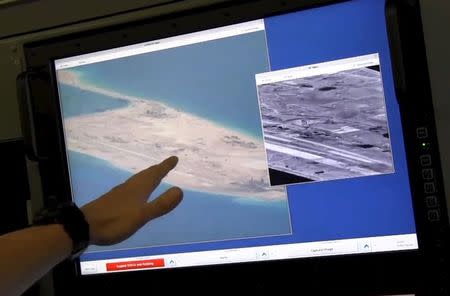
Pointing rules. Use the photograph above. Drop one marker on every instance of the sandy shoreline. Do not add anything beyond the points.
(212, 158)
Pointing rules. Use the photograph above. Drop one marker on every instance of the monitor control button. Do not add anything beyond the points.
(427, 174)
(425, 160)
(429, 187)
(434, 215)
(431, 201)
(422, 133)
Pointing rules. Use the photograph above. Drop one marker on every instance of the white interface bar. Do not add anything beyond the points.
(318, 69)
(264, 253)
(161, 44)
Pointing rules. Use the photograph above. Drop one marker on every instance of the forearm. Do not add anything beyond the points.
(26, 255)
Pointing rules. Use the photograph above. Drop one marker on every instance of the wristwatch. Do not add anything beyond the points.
(73, 221)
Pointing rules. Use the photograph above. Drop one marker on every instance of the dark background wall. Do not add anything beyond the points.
(14, 186)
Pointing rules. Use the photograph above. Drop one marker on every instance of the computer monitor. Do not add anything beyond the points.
(306, 138)
(287, 127)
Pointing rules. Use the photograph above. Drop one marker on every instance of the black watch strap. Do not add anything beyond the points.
(73, 221)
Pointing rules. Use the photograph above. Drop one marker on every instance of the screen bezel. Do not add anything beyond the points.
(44, 53)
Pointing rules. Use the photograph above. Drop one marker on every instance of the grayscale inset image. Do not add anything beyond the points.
(326, 127)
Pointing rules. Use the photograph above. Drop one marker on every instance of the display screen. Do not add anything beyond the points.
(287, 129)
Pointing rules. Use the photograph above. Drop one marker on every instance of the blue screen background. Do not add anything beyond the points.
(358, 207)
(350, 208)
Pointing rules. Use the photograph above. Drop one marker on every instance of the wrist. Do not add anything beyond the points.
(72, 221)
(62, 238)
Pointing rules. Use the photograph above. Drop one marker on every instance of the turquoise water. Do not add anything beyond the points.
(200, 217)
(214, 80)
(75, 101)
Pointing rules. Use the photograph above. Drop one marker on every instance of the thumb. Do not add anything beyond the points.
(162, 205)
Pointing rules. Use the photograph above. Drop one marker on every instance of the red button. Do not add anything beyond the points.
(127, 265)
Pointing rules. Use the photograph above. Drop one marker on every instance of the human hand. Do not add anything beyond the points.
(119, 213)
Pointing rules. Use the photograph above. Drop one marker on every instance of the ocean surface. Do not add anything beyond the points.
(214, 80)
(75, 101)
(200, 217)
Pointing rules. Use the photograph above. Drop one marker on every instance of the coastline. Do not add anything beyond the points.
(237, 199)
(213, 158)
(72, 79)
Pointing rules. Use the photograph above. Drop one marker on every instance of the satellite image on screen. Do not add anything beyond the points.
(123, 115)
(326, 127)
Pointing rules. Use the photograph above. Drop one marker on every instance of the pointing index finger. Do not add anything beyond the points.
(148, 179)
(168, 164)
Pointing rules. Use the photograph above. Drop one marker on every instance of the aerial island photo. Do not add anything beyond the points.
(326, 127)
(121, 116)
